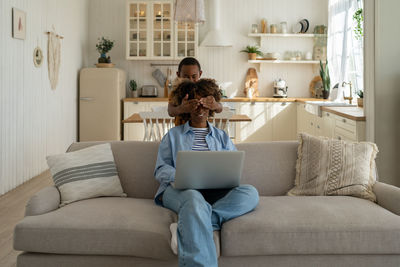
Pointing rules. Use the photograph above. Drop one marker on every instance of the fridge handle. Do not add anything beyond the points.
(86, 98)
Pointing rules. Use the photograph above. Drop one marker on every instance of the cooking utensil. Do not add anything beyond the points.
(159, 76)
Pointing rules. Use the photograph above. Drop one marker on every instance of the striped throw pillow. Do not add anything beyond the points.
(86, 173)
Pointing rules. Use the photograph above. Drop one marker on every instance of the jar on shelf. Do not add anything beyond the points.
(283, 27)
(254, 28)
(264, 26)
(273, 28)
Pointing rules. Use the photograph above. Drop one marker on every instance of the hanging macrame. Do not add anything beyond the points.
(54, 58)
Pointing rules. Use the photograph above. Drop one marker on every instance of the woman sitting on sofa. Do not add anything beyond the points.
(199, 211)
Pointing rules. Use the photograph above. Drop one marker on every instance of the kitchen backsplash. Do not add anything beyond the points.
(107, 18)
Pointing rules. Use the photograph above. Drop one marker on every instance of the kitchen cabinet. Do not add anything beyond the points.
(152, 33)
(329, 125)
(270, 122)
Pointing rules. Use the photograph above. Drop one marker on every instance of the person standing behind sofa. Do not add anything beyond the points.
(189, 68)
(200, 212)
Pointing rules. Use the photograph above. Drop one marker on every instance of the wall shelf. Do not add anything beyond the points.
(278, 61)
(301, 35)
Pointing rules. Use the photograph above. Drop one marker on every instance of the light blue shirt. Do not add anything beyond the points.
(182, 138)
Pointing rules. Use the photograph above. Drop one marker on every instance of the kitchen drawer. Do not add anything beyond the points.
(343, 134)
(346, 124)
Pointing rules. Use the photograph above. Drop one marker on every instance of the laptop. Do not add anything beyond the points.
(208, 169)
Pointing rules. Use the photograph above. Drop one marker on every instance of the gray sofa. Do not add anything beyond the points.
(281, 231)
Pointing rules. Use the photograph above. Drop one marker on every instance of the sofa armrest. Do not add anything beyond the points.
(387, 196)
(44, 201)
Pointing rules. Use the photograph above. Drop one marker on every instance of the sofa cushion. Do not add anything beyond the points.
(102, 226)
(334, 167)
(312, 225)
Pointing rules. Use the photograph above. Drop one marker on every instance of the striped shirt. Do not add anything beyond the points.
(199, 143)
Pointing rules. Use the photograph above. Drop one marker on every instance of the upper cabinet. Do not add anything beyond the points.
(152, 34)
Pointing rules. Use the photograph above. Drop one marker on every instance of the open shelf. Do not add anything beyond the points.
(302, 35)
(278, 61)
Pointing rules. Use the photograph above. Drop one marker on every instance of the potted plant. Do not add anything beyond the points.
(103, 47)
(253, 51)
(326, 80)
(133, 87)
(360, 99)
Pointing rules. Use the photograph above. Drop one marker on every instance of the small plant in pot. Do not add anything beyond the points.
(253, 51)
(326, 80)
(360, 99)
(133, 88)
(103, 47)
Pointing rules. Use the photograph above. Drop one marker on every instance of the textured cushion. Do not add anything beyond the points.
(101, 226)
(333, 167)
(84, 174)
(312, 225)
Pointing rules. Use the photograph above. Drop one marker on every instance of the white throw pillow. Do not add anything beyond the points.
(86, 173)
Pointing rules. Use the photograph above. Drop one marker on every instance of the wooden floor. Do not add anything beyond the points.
(12, 209)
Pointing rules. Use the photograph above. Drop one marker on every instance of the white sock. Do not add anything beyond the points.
(174, 239)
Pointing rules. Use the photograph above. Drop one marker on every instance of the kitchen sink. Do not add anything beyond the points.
(314, 107)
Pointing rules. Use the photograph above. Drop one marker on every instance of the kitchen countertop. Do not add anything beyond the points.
(235, 99)
(352, 113)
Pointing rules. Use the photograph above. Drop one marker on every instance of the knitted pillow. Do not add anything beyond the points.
(332, 167)
(86, 173)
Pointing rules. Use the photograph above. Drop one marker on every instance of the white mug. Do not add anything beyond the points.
(308, 56)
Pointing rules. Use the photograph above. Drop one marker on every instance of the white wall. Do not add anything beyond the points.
(387, 90)
(107, 18)
(36, 121)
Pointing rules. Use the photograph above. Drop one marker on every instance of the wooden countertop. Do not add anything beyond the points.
(352, 113)
(135, 118)
(235, 99)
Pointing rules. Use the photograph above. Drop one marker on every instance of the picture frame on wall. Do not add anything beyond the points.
(18, 24)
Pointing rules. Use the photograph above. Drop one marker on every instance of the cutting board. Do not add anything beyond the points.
(251, 82)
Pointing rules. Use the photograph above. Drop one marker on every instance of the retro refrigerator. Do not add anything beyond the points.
(101, 91)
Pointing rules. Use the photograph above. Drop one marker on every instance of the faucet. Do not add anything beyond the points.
(350, 98)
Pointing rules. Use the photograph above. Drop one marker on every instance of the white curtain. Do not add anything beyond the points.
(345, 52)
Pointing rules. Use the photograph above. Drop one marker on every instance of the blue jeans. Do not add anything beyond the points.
(197, 219)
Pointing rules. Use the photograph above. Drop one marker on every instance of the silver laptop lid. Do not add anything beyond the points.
(208, 169)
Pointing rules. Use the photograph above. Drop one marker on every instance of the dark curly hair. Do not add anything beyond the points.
(203, 88)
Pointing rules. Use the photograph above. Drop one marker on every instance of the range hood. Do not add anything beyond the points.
(215, 36)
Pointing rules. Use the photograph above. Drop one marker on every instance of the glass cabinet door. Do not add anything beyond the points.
(162, 30)
(137, 30)
(186, 38)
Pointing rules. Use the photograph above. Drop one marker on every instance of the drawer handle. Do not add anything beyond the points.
(318, 126)
(344, 120)
(312, 124)
(327, 114)
(339, 138)
(86, 98)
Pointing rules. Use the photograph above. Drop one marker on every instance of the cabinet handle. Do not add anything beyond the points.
(339, 138)
(312, 124)
(86, 98)
(327, 114)
(318, 126)
(344, 120)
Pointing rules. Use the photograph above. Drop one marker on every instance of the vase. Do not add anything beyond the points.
(325, 94)
(360, 102)
(102, 58)
(134, 94)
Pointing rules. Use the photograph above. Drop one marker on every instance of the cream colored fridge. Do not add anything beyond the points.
(100, 93)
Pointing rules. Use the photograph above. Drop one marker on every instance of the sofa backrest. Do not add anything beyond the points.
(269, 166)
